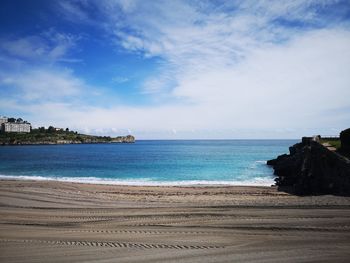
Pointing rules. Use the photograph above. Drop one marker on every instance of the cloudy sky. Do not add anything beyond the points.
(178, 69)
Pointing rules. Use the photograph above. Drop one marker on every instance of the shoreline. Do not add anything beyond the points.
(257, 182)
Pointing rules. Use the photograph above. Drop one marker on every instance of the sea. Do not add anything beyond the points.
(147, 162)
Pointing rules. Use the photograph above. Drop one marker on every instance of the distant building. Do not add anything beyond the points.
(3, 120)
(17, 126)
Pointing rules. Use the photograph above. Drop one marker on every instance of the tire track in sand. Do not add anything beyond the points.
(112, 244)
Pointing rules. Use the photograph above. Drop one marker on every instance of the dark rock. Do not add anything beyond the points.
(345, 141)
(275, 161)
(271, 162)
(311, 168)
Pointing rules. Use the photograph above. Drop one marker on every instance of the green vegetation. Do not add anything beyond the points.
(341, 144)
(53, 136)
(332, 142)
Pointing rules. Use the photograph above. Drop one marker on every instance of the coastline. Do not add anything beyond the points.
(264, 182)
(57, 137)
(78, 222)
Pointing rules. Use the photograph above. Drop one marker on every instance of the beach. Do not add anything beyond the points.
(50, 221)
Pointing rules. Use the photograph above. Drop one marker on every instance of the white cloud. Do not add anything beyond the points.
(71, 10)
(44, 84)
(224, 73)
(201, 39)
(120, 79)
(278, 91)
(48, 46)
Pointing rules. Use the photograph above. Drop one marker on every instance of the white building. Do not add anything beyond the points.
(15, 127)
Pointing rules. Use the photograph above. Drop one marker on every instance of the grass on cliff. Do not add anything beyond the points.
(332, 142)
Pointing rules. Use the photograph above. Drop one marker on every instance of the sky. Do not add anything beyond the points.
(178, 69)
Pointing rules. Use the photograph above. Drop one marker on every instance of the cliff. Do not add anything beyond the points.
(59, 137)
(311, 168)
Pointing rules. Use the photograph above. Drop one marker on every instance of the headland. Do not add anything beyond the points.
(42, 136)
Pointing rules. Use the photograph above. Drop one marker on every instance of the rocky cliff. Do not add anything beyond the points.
(311, 168)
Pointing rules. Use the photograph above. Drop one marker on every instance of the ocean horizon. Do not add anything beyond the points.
(147, 162)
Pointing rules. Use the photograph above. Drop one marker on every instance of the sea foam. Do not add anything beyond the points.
(257, 181)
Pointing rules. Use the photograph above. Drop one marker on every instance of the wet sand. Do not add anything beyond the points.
(70, 222)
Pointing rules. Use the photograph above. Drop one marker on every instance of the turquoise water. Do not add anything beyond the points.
(234, 162)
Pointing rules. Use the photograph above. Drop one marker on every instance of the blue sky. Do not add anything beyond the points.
(178, 69)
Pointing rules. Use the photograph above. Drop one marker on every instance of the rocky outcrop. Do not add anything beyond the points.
(124, 139)
(311, 168)
(345, 142)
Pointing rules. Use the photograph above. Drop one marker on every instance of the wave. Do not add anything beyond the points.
(263, 162)
(257, 181)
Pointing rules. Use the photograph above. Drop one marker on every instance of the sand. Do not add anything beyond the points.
(70, 222)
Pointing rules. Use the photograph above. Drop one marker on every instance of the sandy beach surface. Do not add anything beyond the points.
(47, 221)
